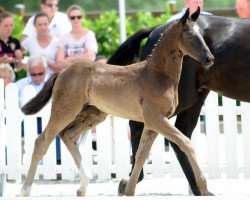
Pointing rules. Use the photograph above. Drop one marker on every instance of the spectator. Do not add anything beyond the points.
(192, 5)
(243, 8)
(7, 73)
(80, 43)
(36, 67)
(58, 21)
(10, 49)
(43, 43)
(19, 21)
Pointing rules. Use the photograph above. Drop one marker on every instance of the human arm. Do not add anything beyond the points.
(56, 67)
(60, 58)
(29, 29)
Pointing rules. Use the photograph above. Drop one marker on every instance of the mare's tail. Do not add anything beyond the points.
(41, 99)
(130, 49)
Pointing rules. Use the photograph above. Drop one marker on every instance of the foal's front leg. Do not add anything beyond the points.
(147, 139)
(163, 126)
(88, 118)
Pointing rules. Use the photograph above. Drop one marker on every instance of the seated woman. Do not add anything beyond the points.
(43, 43)
(10, 50)
(79, 44)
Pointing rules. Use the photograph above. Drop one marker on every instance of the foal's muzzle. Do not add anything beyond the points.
(209, 61)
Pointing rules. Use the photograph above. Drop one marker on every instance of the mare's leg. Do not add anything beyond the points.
(186, 122)
(89, 117)
(136, 129)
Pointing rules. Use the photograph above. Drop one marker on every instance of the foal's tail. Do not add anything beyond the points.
(41, 99)
(130, 49)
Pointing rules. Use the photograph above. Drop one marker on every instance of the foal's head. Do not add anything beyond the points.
(191, 41)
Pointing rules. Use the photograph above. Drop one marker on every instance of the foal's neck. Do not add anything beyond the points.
(166, 57)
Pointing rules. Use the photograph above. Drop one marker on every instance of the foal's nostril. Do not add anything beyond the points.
(209, 58)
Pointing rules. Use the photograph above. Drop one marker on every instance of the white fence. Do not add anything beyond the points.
(222, 141)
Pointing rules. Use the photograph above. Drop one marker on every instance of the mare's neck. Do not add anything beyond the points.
(166, 57)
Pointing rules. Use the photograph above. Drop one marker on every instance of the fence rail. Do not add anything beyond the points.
(221, 139)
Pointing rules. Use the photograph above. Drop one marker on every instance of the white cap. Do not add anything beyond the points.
(20, 6)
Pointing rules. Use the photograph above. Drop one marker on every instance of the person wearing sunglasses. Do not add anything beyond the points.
(79, 44)
(36, 67)
(43, 43)
(58, 21)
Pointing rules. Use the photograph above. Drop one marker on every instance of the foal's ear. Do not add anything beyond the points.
(195, 15)
(184, 18)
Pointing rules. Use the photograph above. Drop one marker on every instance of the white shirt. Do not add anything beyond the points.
(22, 83)
(31, 45)
(182, 12)
(59, 25)
(74, 46)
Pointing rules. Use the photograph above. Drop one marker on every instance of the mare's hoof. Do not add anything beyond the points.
(122, 186)
(210, 194)
(80, 193)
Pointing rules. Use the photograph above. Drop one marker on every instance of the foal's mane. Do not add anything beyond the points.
(162, 35)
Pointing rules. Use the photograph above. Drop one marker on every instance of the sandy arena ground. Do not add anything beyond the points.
(167, 188)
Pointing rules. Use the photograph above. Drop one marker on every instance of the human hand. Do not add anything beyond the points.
(6, 59)
(89, 55)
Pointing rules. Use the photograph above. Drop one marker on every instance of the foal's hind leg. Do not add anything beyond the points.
(60, 117)
(89, 117)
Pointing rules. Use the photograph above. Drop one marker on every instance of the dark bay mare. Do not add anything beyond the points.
(145, 91)
(229, 42)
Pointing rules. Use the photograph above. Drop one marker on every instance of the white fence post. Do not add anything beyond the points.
(49, 159)
(14, 133)
(30, 131)
(2, 135)
(175, 168)
(212, 132)
(2, 138)
(104, 149)
(246, 137)
(230, 131)
(121, 147)
(157, 155)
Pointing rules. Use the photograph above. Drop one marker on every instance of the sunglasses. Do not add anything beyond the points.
(75, 17)
(37, 74)
(52, 5)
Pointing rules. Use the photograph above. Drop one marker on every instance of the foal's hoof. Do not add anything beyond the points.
(210, 194)
(122, 186)
(80, 193)
(25, 192)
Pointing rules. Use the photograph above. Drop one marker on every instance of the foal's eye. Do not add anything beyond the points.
(189, 33)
